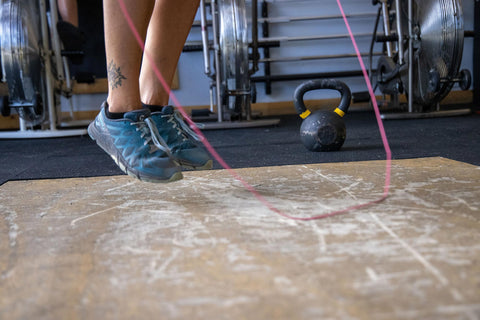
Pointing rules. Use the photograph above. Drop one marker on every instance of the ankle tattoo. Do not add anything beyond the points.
(115, 76)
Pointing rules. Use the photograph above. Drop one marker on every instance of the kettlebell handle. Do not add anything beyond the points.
(341, 87)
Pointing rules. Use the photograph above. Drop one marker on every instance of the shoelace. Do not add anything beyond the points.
(150, 132)
(185, 128)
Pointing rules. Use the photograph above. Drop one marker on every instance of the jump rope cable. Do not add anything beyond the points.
(232, 172)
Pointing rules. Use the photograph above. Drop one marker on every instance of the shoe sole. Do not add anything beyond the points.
(120, 162)
(207, 166)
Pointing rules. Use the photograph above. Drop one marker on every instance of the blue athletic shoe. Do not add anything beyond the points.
(181, 140)
(135, 145)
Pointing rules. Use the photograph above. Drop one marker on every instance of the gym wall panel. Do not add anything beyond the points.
(194, 84)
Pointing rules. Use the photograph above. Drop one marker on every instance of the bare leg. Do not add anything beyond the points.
(68, 11)
(124, 55)
(168, 30)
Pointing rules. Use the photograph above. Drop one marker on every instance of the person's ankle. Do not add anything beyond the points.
(122, 107)
(153, 107)
(114, 115)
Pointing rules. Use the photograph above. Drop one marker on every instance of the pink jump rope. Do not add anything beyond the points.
(232, 172)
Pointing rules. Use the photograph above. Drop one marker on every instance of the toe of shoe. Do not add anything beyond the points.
(195, 158)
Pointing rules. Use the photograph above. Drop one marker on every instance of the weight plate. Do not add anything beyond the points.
(21, 61)
(465, 79)
(438, 47)
(233, 34)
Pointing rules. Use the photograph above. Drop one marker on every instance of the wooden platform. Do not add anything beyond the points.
(205, 248)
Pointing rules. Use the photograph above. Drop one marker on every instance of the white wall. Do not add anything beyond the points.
(194, 84)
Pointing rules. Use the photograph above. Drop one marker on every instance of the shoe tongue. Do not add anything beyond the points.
(137, 115)
(167, 110)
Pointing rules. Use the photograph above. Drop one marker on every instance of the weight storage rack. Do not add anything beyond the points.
(234, 53)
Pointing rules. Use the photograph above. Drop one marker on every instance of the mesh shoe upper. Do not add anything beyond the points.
(180, 139)
(135, 146)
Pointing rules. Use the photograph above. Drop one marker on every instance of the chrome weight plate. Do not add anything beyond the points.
(438, 35)
(233, 40)
(21, 57)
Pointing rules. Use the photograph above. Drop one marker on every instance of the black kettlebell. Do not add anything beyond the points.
(323, 130)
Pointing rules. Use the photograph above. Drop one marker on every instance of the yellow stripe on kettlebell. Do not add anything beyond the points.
(305, 114)
(339, 112)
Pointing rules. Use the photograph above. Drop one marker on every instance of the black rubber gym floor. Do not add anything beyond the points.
(456, 138)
